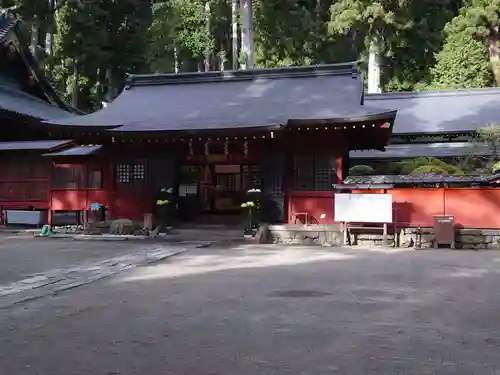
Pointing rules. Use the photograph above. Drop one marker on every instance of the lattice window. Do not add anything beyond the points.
(130, 174)
(314, 173)
(123, 173)
(139, 172)
(303, 173)
(251, 177)
(324, 174)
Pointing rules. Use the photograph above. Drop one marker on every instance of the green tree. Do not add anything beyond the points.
(79, 49)
(413, 52)
(406, 33)
(462, 63)
(290, 32)
(178, 36)
(490, 136)
(377, 23)
(479, 19)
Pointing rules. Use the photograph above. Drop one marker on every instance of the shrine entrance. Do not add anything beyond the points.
(215, 191)
(220, 188)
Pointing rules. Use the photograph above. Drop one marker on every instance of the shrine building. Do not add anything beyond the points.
(209, 136)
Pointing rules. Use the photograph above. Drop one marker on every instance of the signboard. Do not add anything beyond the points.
(363, 208)
(186, 189)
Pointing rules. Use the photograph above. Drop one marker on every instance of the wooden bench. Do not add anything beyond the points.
(367, 226)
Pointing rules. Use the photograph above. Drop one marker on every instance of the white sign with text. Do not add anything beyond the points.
(363, 208)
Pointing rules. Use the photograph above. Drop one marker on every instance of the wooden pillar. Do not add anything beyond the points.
(339, 168)
(288, 184)
(49, 182)
(346, 163)
(49, 216)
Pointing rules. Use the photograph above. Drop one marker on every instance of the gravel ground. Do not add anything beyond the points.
(24, 256)
(267, 310)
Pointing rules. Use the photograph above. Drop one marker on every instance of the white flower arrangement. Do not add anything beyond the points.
(253, 191)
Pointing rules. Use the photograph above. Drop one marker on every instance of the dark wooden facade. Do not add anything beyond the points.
(289, 165)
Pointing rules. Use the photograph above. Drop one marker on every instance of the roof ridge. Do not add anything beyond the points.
(241, 75)
(441, 93)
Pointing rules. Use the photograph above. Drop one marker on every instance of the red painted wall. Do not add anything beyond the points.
(131, 205)
(471, 207)
(314, 203)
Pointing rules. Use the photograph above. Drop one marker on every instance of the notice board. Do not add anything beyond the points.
(363, 208)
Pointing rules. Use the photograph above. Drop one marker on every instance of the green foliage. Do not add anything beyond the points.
(295, 32)
(178, 35)
(408, 33)
(465, 60)
(429, 169)
(425, 44)
(361, 170)
(490, 136)
(394, 168)
(462, 63)
(495, 168)
(105, 39)
(410, 165)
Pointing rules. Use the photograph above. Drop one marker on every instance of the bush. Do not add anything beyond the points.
(424, 169)
(361, 170)
(496, 167)
(408, 166)
(395, 168)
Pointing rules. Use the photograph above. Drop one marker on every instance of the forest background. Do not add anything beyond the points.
(87, 46)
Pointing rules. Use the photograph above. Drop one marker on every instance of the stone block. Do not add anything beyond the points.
(471, 239)
(122, 227)
(307, 235)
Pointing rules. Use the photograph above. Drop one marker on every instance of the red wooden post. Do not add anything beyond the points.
(339, 168)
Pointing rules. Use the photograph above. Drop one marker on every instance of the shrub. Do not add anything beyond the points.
(408, 166)
(361, 170)
(434, 169)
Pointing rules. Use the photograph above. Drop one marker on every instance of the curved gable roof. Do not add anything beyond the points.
(463, 110)
(237, 99)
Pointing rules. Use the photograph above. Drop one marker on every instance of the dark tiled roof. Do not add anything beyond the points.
(9, 26)
(77, 151)
(32, 145)
(241, 99)
(440, 111)
(438, 150)
(429, 178)
(17, 101)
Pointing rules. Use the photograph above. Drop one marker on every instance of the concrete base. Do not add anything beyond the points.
(315, 234)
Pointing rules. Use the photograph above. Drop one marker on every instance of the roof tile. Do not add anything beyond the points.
(440, 111)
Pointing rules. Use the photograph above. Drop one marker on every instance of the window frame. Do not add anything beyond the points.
(100, 185)
(130, 174)
(320, 171)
